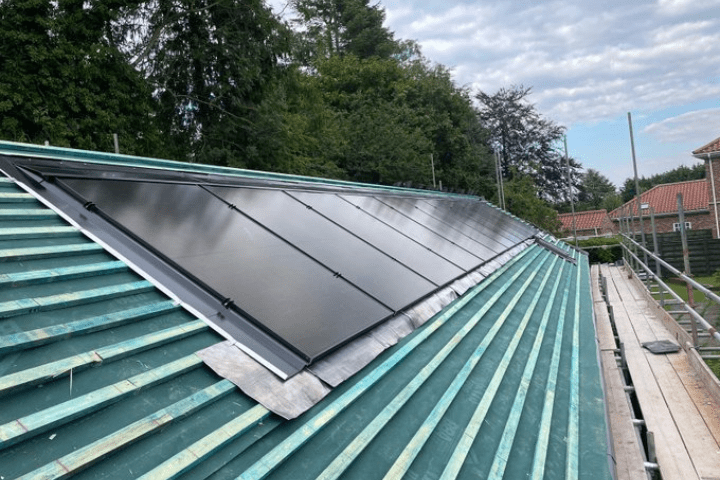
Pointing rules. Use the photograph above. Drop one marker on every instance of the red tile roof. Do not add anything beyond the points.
(663, 198)
(711, 147)
(583, 220)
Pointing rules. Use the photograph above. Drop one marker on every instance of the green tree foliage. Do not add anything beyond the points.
(525, 141)
(211, 64)
(379, 121)
(595, 189)
(679, 174)
(343, 27)
(63, 79)
(522, 200)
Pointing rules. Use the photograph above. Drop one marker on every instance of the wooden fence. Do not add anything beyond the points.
(704, 251)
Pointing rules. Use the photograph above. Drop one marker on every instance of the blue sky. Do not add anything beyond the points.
(589, 63)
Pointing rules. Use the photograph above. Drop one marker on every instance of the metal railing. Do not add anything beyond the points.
(694, 315)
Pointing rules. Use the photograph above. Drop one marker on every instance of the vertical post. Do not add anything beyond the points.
(637, 186)
(117, 144)
(686, 263)
(432, 166)
(570, 192)
(498, 178)
(656, 251)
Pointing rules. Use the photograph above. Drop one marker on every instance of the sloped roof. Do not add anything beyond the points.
(100, 376)
(583, 220)
(711, 147)
(663, 198)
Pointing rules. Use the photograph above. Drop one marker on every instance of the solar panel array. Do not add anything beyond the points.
(314, 268)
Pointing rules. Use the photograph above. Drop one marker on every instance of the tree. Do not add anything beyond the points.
(343, 27)
(64, 80)
(522, 200)
(525, 141)
(594, 190)
(212, 64)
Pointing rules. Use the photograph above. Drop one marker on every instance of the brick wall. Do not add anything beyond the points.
(664, 224)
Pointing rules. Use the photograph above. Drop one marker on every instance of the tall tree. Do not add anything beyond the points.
(594, 190)
(63, 79)
(343, 27)
(211, 64)
(525, 141)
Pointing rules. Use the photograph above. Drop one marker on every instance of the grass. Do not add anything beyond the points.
(679, 287)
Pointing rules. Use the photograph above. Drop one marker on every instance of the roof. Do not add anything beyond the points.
(711, 147)
(583, 220)
(663, 198)
(101, 375)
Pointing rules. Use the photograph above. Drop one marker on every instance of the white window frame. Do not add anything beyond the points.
(676, 226)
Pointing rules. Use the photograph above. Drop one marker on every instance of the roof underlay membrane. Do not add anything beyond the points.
(407, 333)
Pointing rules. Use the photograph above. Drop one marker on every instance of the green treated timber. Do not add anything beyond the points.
(84, 457)
(541, 447)
(26, 214)
(208, 445)
(53, 333)
(313, 425)
(33, 253)
(26, 233)
(572, 461)
(355, 448)
(16, 197)
(63, 367)
(58, 274)
(42, 421)
(503, 453)
(462, 449)
(413, 448)
(53, 302)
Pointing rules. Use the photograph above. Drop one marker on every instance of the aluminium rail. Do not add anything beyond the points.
(694, 314)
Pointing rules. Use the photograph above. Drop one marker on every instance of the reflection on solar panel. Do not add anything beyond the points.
(314, 268)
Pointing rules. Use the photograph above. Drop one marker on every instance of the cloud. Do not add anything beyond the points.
(587, 62)
(698, 127)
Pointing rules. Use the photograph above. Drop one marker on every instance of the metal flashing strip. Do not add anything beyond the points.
(555, 249)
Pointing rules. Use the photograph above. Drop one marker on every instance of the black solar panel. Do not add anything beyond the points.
(313, 268)
(292, 295)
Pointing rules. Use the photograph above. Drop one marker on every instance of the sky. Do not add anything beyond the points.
(589, 64)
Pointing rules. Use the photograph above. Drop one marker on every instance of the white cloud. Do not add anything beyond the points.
(586, 61)
(698, 127)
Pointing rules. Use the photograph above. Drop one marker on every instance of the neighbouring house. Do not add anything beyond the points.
(591, 223)
(662, 200)
(699, 199)
(710, 154)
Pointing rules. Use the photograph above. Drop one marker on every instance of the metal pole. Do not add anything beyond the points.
(432, 165)
(658, 268)
(686, 263)
(117, 144)
(570, 192)
(637, 184)
(497, 177)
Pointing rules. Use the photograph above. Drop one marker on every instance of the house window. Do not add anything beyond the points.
(676, 226)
